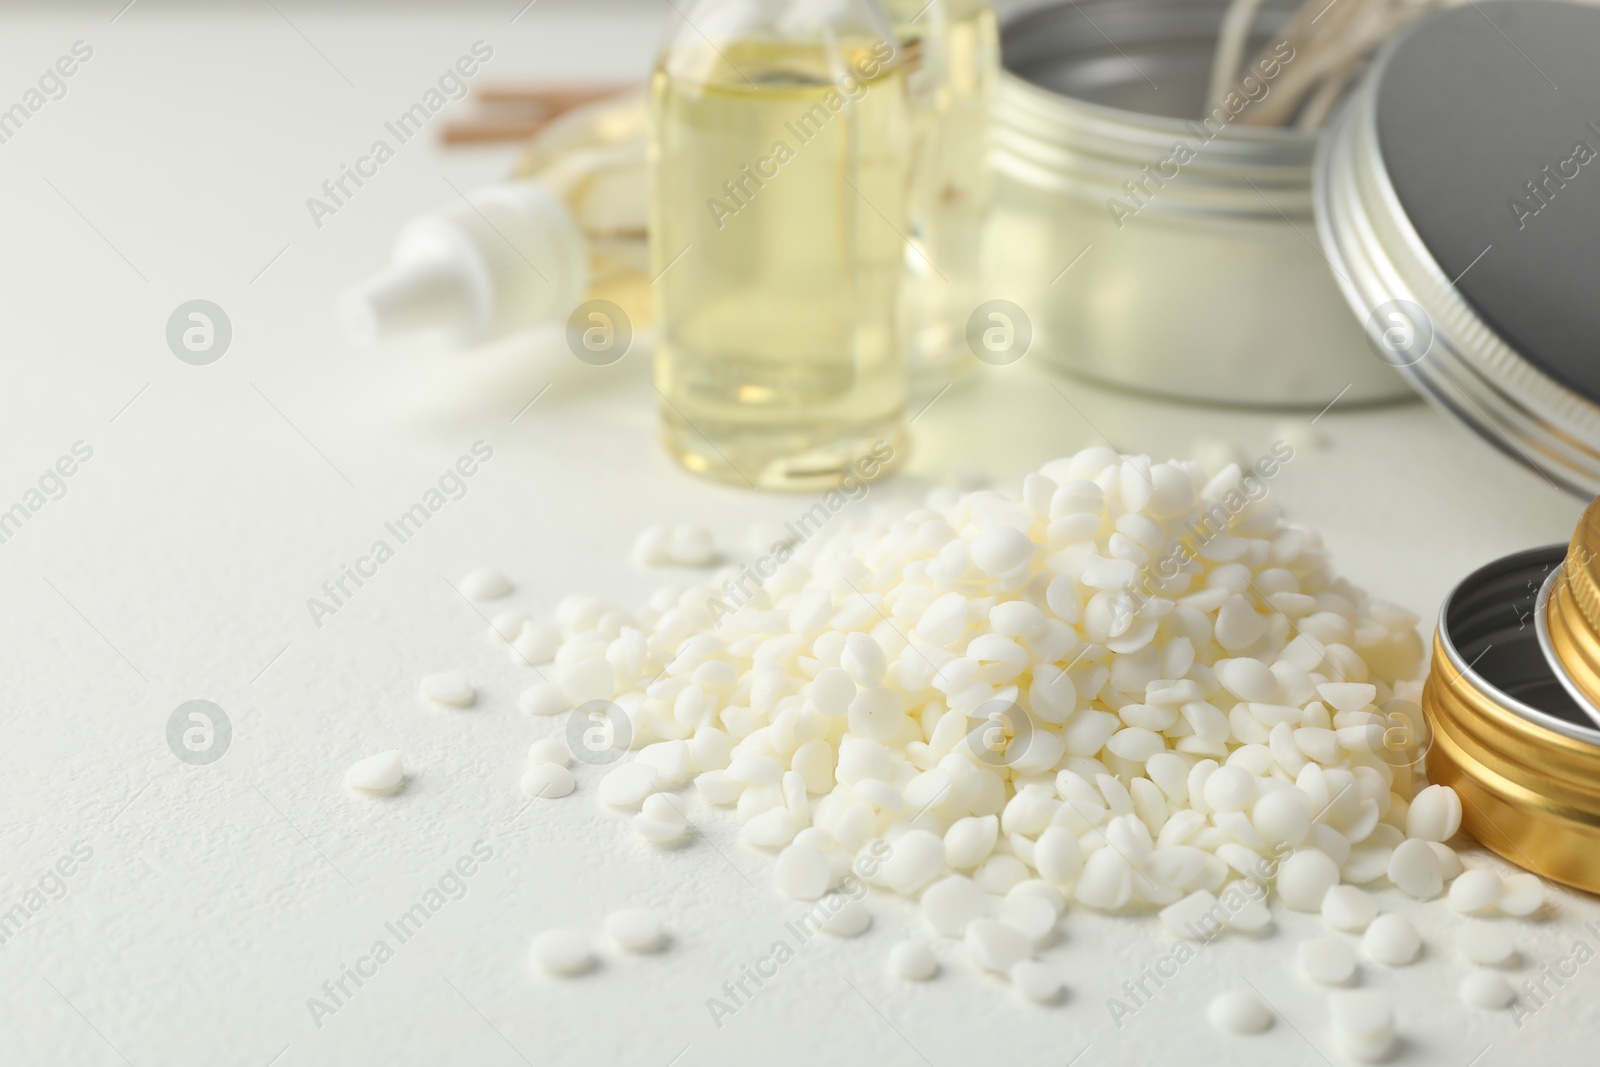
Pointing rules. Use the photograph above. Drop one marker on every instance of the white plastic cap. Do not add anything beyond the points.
(508, 258)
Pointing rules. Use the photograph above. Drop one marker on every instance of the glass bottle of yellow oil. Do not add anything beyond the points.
(780, 155)
(953, 60)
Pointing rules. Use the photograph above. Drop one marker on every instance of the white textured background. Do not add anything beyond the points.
(218, 899)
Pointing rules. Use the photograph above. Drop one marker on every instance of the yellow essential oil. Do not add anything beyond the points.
(779, 178)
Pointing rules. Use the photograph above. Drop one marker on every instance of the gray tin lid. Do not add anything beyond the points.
(1458, 200)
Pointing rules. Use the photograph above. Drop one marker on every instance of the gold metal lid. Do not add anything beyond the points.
(1506, 734)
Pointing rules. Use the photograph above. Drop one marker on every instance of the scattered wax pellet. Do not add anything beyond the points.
(1414, 869)
(1391, 940)
(636, 930)
(994, 946)
(1521, 894)
(1328, 960)
(802, 872)
(1435, 814)
(549, 750)
(913, 961)
(1349, 908)
(563, 952)
(1305, 878)
(547, 781)
(506, 625)
(949, 905)
(684, 545)
(376, 774)
(1486, 943)
(851, 920)
(1475, 891)
(1030, 916)
(485, 583)
(449, 687)
(535, 643)
(1363, 1023)
(1486, 990)
(544, 698)
(1036, 981)
(626, 785)
(1238, 1012)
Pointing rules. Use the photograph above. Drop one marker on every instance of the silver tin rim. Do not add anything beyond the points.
(1514, 563)
(1469, 372)
(1541, 622)
(1050, 140)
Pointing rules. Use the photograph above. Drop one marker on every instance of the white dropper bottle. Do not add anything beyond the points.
(502, 259)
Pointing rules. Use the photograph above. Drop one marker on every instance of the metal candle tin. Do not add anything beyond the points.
(1505, 732)
(1454, 209)
(1139, 266)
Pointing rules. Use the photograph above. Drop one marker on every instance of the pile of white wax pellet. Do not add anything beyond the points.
(1131, 686)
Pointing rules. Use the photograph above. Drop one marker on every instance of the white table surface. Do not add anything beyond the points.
(218, 498)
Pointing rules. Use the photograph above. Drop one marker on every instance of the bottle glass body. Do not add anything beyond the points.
(780, 155)
(953, 50)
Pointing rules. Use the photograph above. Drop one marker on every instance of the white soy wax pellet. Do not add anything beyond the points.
(1349, 908)
(832, 690)
(689, 545)
(1305, 878)
(1450, 865)
(659, 831)
(650, 547)
(544, 698)
(969, 841)
(563, 952)
(1282, 816)
(588, 679)
(549, 750)
(1415, 870)
(1363, 1022)
(506, 625)
(917, 859)
(484, 583)
(913, 961)
(951, 904)
(636, 930)
(1486, 943)
(1475, 891)
(1391, 940)
(1328, 960)
(449, 687)
(1000, 550)
(1230, 789)
(863, 660)
(1106, 882)
(547, 781)
(851, 920)
(994, 946)
(1521, 894)
(663, 808)
(802, 872)
(535, 643)
(626, 786)
(1186, 918)
(1036, 981)
(376, 774)
(1029, 915)
(1486, 990)
(1435, 814)
(876, 713)
(1057, 856)
(1248, 679)
(1238, 1012)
